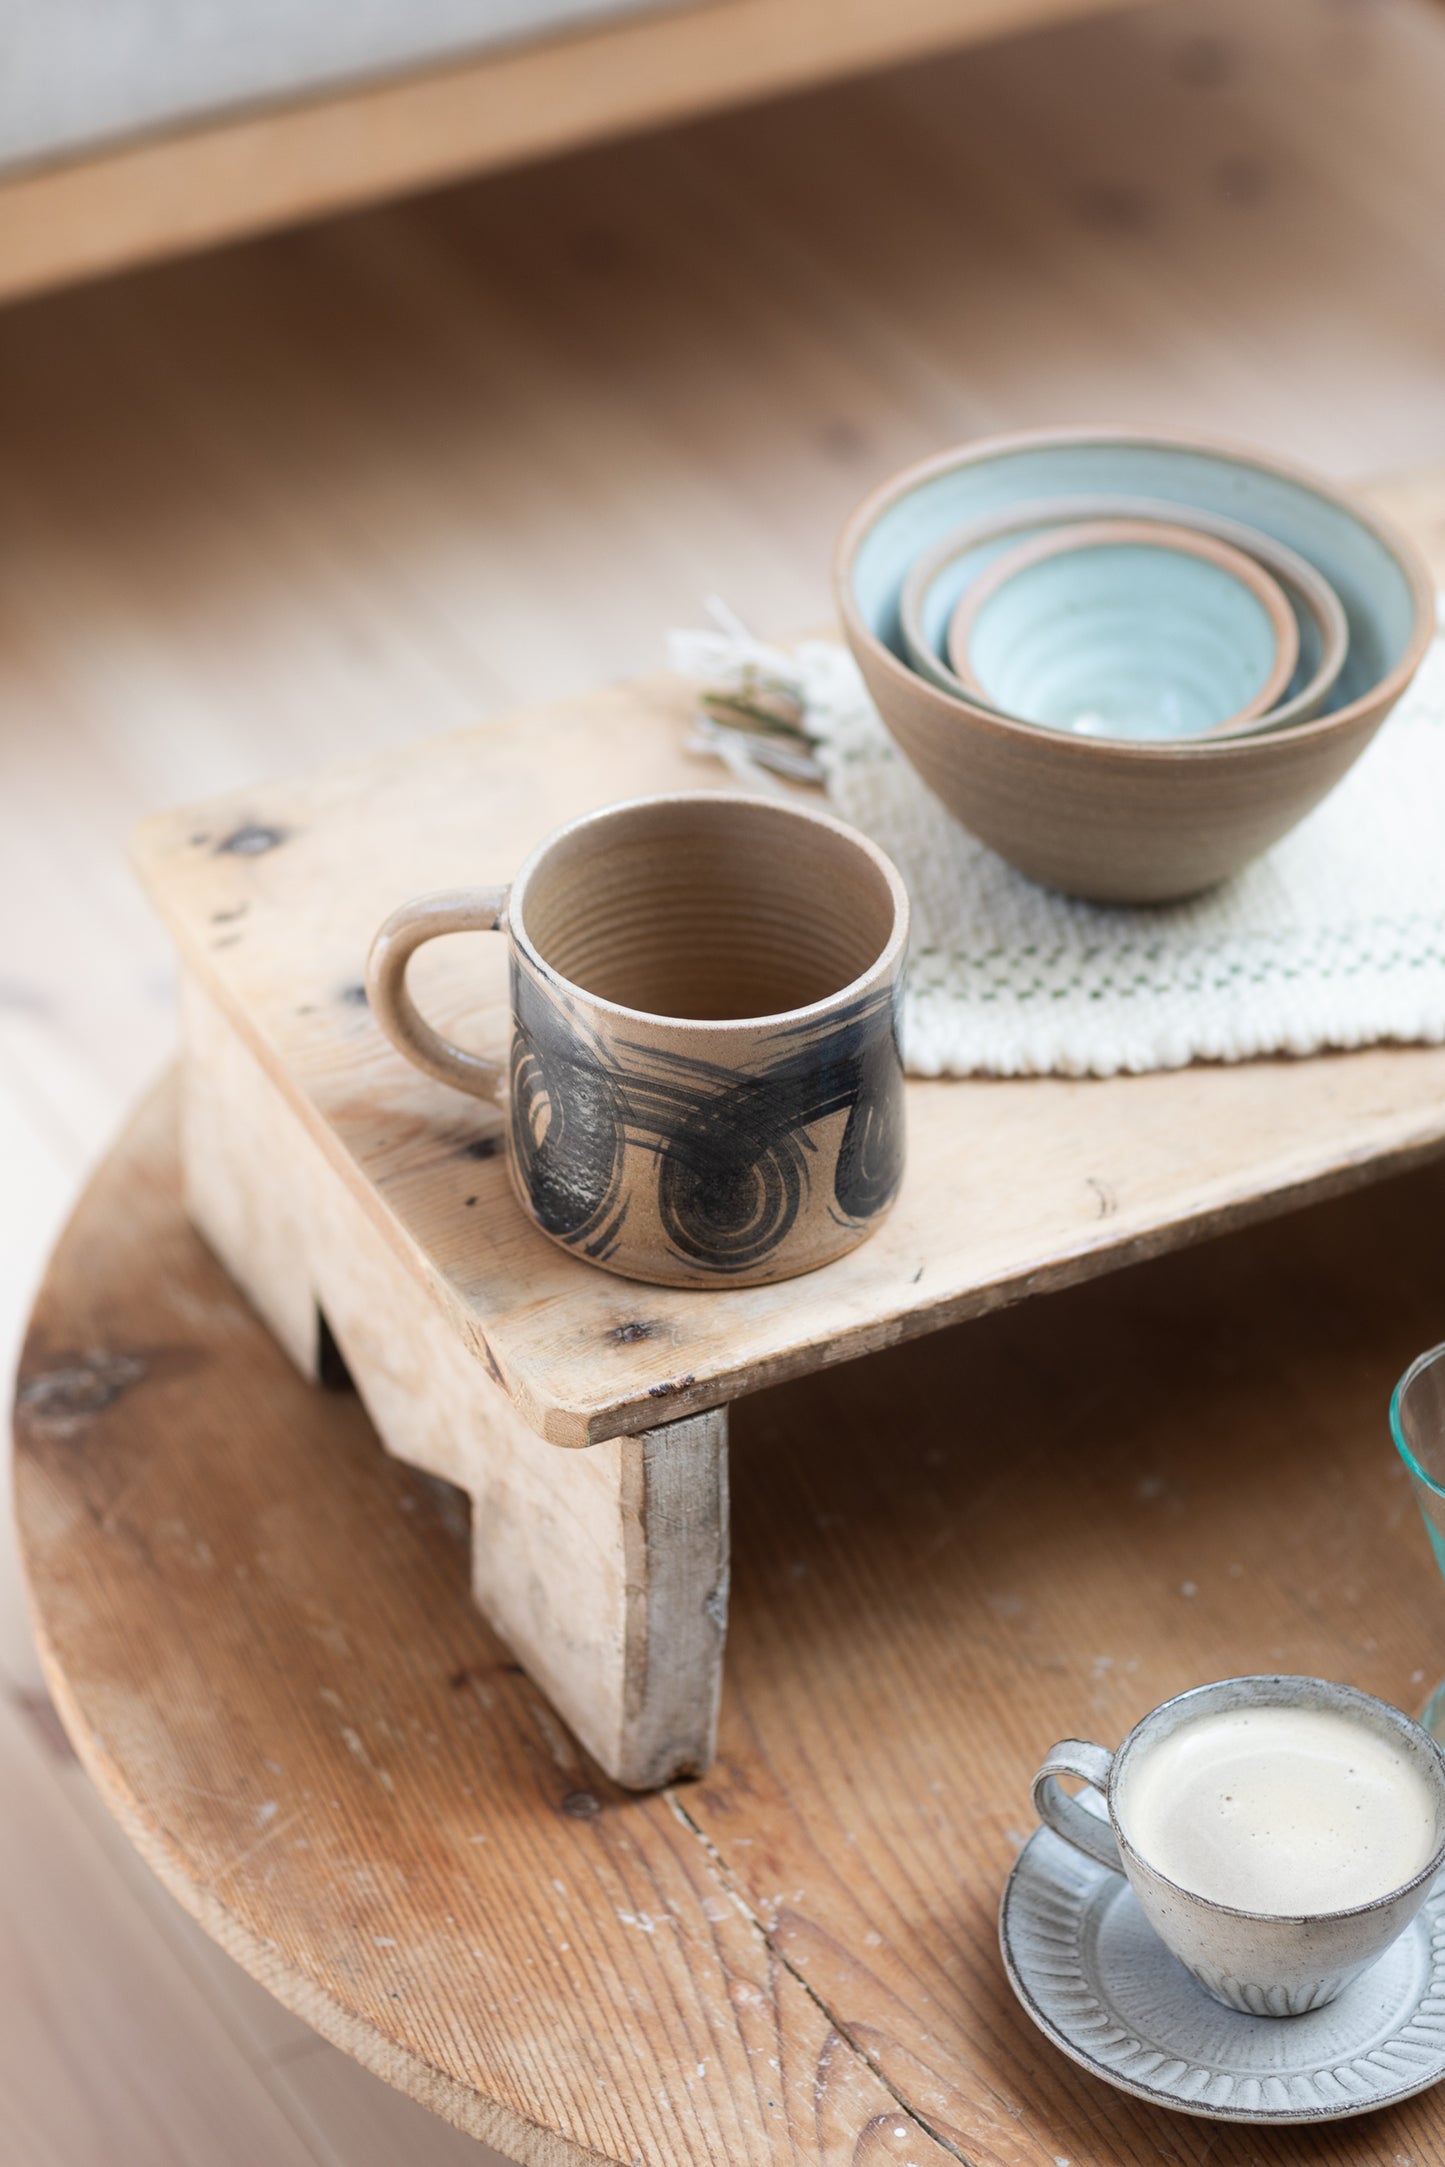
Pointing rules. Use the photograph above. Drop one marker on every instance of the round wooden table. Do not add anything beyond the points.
(258, 1632)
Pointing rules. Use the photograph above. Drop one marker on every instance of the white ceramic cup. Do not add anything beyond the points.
(1265, 1963)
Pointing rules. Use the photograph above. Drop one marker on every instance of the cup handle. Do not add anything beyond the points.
(457, 910)
(1064, 1815)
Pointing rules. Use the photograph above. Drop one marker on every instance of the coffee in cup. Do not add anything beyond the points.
(1278, 1832)
(1280, 1809)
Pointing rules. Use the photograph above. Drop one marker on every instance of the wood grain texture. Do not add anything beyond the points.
(1179, 1473)
(353, 2119)
(272, 896)
(605, 1572)
(296, 500)
(141, 2076)
(555, 1967)
(293, 501)
(195, 186)
(257, 1627)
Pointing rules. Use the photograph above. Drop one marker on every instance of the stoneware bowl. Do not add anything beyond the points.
(941, 576)
(1120, 822)
(1125, 628)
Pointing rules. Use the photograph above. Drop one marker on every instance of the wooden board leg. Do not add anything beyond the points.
(604, 1569)
(675, 1507)
(229, 1128)
(607, 1571)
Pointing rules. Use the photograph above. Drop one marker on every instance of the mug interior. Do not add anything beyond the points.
(1231, 1694)
(711, 908)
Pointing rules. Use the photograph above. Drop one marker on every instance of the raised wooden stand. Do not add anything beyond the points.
(366, 1209)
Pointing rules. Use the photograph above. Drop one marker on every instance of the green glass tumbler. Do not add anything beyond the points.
(1417, 1422)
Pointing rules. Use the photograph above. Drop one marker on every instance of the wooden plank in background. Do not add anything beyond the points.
(139, 2075)
(190, 189)
(316, 496)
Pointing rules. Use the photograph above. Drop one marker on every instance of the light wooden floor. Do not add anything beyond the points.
(374, 479)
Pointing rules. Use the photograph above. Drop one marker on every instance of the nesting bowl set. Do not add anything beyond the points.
(1128, 663)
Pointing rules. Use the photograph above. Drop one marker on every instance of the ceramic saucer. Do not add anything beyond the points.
(1097, 1980)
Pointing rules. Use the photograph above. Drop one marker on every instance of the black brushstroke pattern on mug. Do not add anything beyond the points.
(733, 1151)
(567, 1119)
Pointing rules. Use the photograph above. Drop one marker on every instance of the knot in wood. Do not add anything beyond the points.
(60, 1399)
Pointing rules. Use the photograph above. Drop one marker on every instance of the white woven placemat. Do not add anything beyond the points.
(1335, 939)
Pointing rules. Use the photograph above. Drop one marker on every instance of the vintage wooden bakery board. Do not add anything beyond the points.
(257, 1627)
(273, 895)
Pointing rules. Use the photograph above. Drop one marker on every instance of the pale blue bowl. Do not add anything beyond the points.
(1124, 820)
(1365, 566)
(1126, 639)
(937, 582)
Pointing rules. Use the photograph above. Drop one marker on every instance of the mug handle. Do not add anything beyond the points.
(456, 910)
(1064, 1815)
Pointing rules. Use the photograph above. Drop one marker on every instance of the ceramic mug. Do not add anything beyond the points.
(704, 1086)
(1264, 1963)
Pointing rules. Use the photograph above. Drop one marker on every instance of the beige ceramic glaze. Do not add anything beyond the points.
(1109, 820)
(1150, 534)
(1264, 1963)
(704, 1086)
